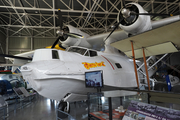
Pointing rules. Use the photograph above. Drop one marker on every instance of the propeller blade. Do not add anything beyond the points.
(114, 29)
(153, 14)
(123, 2)
(61, 46)
(60, 19)
(56, 42)
(74, 35)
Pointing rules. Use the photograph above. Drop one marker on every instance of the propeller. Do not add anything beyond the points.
(129, 14)
(64, 32)
(60, 19)
(114, 29)
(54, 44)
(153, 14)
(123, 3)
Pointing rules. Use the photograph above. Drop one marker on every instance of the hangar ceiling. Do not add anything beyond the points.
(37, 18)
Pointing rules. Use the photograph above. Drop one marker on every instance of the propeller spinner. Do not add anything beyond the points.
(129, 14)
(64, 32)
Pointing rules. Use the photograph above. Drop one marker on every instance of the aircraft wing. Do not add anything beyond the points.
(157, 41)
(19, 59)
(97, 41)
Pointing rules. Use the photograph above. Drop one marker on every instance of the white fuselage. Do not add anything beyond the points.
(54, 78)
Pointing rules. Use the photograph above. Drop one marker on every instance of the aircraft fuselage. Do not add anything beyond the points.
(54, 73)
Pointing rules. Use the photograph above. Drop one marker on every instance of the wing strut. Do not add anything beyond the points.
(135, 68)
(145, 64)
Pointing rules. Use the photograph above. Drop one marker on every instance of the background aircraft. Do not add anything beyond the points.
(8, 82)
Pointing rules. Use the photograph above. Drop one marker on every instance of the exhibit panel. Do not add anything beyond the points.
(143, 111)
(112, 104)
(125, 105)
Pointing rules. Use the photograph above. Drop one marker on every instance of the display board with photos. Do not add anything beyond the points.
(143, 111)
(94, 79)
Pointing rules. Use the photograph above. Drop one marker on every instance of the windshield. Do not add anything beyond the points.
(77, 50)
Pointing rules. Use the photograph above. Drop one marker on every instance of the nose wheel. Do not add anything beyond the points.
(64, 106)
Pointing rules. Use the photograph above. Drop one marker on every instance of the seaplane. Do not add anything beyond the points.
(60, 75)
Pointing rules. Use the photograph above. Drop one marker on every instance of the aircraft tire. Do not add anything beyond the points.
(63, 106)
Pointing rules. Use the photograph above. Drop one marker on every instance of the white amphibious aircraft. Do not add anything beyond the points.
(58, 74)
(54, 73)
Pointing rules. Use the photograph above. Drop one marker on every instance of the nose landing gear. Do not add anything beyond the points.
(64, 108)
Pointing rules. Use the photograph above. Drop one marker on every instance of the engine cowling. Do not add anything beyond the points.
(135, 24)
(70, 41)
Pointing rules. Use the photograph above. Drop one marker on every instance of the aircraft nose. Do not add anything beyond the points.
(28, 74)
(26, 71)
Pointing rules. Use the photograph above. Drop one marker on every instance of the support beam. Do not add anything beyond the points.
(32, 43)
(145, 64)
(135, 68)
(172, 67)
(158, 61)
(62, 10)
(26, 26)
(20, 17)
(7, 43)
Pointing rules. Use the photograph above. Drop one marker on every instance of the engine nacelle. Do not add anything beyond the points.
(135, 24)
(70, 41)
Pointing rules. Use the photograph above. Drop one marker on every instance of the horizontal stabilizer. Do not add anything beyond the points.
(16, 57)
(158, 38)
(3, 65)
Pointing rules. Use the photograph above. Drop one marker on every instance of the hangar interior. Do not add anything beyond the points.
(26, 25)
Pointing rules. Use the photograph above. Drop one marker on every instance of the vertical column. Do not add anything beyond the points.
(88, 95)
(7, 43)
(135, 68)
(54, 18)
(145, 64)
(7, 40)
(32, 44)
(110, 108)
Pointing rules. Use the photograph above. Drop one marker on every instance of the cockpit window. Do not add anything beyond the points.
(83, 51)
(55, 54)
(77, 50)
(92, 53)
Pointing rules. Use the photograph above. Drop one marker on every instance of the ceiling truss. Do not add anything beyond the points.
(37, 18)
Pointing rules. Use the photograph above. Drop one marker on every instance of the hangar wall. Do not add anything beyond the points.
(43, 42)
(2, 46)
(18, 45)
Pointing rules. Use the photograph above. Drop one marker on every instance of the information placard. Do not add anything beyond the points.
(143, 111)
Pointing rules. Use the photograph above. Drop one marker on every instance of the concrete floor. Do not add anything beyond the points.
(45, 109)
(39, 109)
(42, 108)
